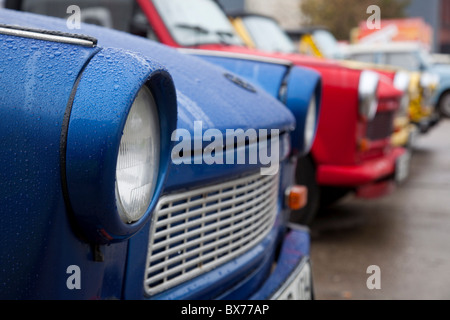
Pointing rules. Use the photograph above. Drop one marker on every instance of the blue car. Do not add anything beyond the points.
(211, 38)
(115, 183)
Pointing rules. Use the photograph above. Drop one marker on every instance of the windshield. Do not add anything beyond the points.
(426, 59)
(406, 60)
(267, 35)
(196, 22)
(327, 44)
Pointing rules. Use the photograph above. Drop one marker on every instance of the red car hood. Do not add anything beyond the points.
(297, 59)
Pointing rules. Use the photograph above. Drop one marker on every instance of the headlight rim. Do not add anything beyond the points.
(120, 209)
(308, 143)
(96, 118)
(402, 80)
(369, 83)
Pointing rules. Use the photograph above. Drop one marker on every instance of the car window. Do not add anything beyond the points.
(327, 44)
(196, 22)
(267, 35)
(406, 60)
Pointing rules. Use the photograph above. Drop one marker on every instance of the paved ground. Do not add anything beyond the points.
(406, 234)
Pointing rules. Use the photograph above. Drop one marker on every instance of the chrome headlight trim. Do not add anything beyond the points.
(367, 92)
(138, 159)
(402, 80)
(310, 124)
(96, 121)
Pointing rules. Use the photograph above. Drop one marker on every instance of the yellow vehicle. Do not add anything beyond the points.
(249, 26)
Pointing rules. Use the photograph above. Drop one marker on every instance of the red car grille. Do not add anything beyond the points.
(381, 127)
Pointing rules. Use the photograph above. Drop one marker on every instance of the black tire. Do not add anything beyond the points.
(306, 176)
(331, 195)
(444, 104)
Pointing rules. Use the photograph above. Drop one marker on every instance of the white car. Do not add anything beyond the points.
(411, 56)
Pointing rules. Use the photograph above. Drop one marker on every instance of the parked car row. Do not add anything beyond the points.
(428, 82)
(184, 169)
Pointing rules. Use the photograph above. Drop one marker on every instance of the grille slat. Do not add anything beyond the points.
(260, 226)
(213, 198)
(217, 206)
(196, 231)
(216, 234)
(210, 218)
(382, 126)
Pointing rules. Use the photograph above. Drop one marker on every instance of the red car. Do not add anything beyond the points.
(352, 149)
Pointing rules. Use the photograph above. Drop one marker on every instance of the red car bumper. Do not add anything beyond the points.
(371, 179)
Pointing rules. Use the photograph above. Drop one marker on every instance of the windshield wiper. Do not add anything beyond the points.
(198, 29)
(225, 37)
(224, 33)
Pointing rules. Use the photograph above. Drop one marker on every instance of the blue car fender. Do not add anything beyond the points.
(302, 86)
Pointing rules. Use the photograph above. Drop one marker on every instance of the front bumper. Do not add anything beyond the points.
(426, 123)
(367, 173)
(291, 278)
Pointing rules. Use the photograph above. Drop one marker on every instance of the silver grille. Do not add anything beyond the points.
(196, 231)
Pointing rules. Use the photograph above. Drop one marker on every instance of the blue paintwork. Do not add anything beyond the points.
(254, 71)
(444, 83)
(39, 235)
(301, 85)
(296, 246)
(100, 108)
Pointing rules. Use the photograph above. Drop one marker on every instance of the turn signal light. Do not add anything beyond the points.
(364, 145)
(296, 197)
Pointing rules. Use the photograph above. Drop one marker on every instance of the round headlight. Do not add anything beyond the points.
(426, 80)
(310, 124)
(404, 104)
(138, 160)
(402, 80)
(368, 101)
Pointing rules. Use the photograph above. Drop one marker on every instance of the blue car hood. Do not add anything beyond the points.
(204, 91)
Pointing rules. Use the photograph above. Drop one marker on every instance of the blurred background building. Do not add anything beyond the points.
(437, 14)
(341, 15)
(287, 12)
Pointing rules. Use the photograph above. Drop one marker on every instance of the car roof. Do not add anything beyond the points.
(383, 47)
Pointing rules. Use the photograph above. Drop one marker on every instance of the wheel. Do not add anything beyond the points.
(331, 195)
(444, 104)
(306, 176)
